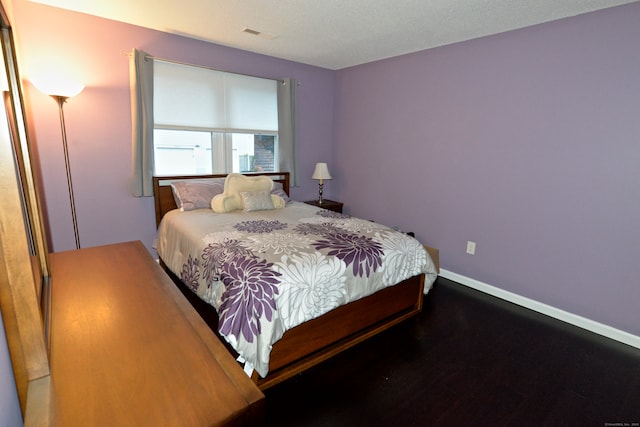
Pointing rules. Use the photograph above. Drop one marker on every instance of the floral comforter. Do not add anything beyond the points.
(268, 271)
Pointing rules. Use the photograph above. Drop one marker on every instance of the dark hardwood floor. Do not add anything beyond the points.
(468, 359)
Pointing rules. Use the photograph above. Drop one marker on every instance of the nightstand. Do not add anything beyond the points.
(327, 204)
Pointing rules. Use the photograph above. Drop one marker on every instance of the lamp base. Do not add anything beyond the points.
(320, 193)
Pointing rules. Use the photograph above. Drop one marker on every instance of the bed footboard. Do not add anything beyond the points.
(319, 339)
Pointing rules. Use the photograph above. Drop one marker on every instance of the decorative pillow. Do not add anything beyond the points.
(196, 193)
(278, 202)
(235, 183)
(256, 201)
(278, 190)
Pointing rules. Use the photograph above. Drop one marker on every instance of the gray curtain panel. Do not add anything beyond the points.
(141, 80)
(287, 128)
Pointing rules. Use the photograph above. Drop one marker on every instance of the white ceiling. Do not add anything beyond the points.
(334, 34)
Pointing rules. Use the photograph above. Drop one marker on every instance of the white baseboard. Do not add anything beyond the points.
(556, 313)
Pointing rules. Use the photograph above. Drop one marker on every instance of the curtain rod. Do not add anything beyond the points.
(171, 61)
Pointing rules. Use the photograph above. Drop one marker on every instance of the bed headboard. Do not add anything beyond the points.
(163, 195)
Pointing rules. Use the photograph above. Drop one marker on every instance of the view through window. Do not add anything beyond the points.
(181, 152)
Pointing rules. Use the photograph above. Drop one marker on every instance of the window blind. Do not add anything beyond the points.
(195, 97)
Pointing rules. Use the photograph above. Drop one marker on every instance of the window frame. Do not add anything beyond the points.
(221, 139)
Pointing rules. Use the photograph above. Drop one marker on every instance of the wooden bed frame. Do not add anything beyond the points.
(319, 339)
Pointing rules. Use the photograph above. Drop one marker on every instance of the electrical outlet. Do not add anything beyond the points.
(471, 247)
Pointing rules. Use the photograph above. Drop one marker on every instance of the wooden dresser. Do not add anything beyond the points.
(127, 349)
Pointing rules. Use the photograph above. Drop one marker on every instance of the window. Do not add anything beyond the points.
(208, 121)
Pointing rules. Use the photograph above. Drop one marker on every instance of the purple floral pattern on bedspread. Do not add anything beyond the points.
(190, 273)
(332, 214)
(260, 226)
(267, 275)
(362, 252)
(215, 255)
(250, 290)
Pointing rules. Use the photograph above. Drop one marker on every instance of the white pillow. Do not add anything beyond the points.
(256, 201)
(235, 184)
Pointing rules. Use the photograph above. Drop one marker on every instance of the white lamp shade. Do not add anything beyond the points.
(58, 87)
(321, 172)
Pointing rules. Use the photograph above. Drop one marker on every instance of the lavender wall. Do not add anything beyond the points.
(527, 143)
(99, 119)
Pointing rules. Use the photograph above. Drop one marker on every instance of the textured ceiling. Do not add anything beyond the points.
(334, 34)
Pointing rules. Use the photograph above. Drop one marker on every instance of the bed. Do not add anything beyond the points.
(236, 246)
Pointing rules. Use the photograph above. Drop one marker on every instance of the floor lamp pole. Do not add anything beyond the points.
(61, 100)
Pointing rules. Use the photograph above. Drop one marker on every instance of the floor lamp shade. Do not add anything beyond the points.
(56, 86)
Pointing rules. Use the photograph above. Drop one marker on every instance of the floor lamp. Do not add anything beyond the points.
(54, 89)
(61, 99)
